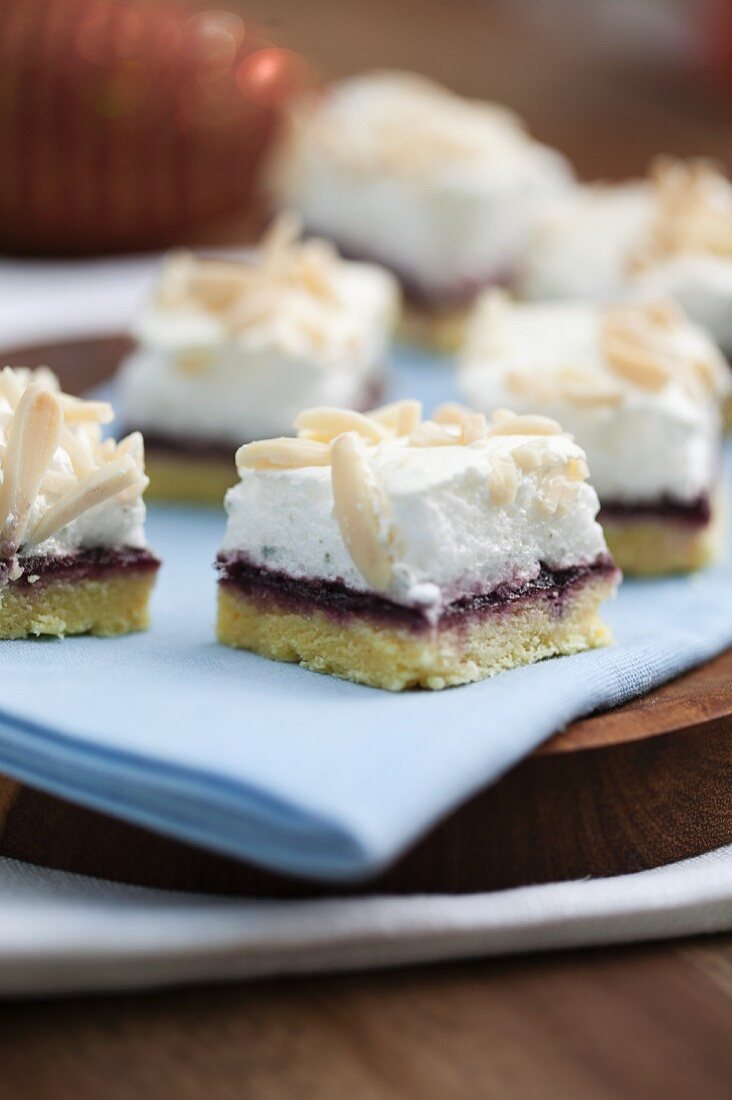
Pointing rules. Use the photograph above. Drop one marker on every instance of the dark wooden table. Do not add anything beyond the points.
(626, 1024)
(640, 1022)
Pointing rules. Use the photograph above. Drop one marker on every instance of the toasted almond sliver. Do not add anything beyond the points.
(194, 362)
(325, 423)
(401, 417)
(95, 488)
(556, 496)
(78, 411)
(473, 428)
(11, 387)
(503, 480)
(529, 456)
(33, 437)
(57, 482)
(521, 383)
(278, 241)
(133, 444)
(80, 456)
(592, 395)
(664, 313)
(357, 504)
(637, 364)
(505, 422)
(451, 413)
(577, 469)
(216, 284)
(282, 454)
(430, 434)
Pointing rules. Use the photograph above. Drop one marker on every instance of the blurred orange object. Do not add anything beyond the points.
(128, 124)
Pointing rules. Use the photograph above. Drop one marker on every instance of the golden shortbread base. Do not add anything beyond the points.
(107, 606)
(182, 478)
(439, 330)
(652, 547)
(727, 414)
(395, 657)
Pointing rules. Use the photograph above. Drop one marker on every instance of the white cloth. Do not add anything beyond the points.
(62, 933)
(42, 300)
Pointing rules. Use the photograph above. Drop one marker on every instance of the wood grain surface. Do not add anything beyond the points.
(620, 1024)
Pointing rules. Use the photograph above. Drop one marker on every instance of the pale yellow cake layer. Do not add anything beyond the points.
(111, 605)
(727, 413)
(648, 547)
(439, 330)
(396, 658)
(196, 480)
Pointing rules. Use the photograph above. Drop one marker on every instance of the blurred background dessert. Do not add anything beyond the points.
(229, 350)
(139, 124)
(440, 189)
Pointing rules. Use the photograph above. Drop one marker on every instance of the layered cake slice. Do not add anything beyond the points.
(231, 350)
(670, 234)
(400, 553)
(640, 388)
(73, 556)
(439, 189)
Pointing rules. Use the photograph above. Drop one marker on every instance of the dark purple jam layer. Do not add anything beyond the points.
(273, 587)
(81, 566)
(696, 512)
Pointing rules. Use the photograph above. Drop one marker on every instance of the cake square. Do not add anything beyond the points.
(639, 386)
(400, 552)
(73, 555)
(440, 189)
(669, 235)
(233, 349)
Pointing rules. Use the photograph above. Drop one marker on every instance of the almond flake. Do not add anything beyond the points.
(78, 411)
(91, 490)
(325, 423)
(531, 456)
(430, 434)
(358, 504)
(631, 361)
(505, 422)
(33, 437)
(503, 480)
(451, 413)
(283, 453)
(473, 428)
(80, 456)
(216, 284)
(577, 469)
(401, 417)
(194, 362)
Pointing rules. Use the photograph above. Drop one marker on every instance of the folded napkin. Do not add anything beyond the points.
(292, 770)
(62, 933)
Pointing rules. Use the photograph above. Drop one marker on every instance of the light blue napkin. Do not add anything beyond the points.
(290, 769)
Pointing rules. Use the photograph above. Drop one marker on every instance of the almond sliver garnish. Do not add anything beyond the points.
(33, 438)
(324, 423)
(357, 504)
(95, 488)
(401, 417)
(282, 454)
(78, 411)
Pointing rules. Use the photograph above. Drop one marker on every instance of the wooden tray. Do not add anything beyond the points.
(636, 787)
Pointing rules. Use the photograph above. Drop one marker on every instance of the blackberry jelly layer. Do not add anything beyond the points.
(298, 594)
